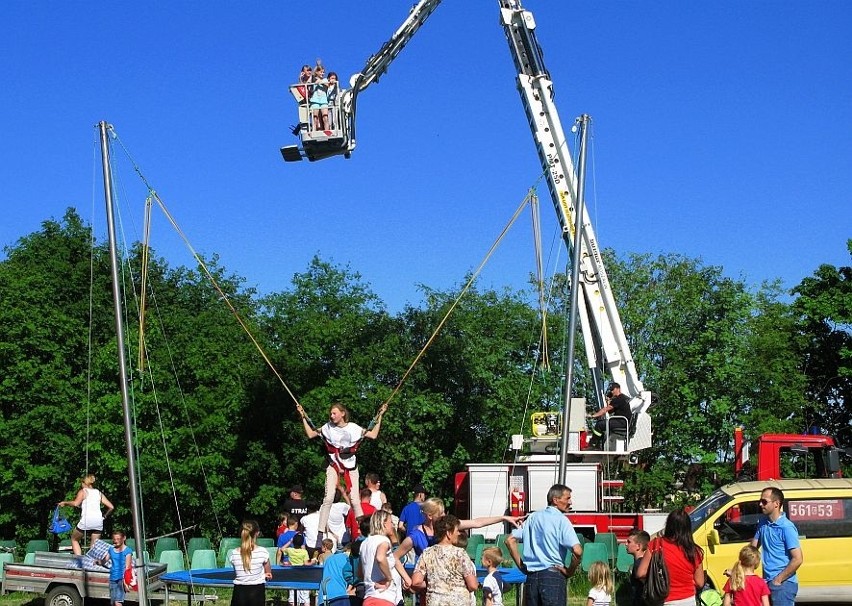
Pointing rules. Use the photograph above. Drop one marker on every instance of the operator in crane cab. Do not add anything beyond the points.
(618, 407)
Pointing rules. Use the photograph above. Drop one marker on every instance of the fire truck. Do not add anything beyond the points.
(784, 455)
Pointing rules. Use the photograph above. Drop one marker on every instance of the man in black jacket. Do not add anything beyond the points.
(618, 407)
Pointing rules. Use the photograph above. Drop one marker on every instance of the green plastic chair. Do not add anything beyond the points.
(507, 558)
(474, 541)
(8, 545)
(273, 553)
(6, 557)
(165, 544)
(65, 545)
(623, 560)
(611, 541)
(173, 559)
(500, 543)
(130, 542)
(196, 543)
(593, 552)
(265, 542)
(477, 559)
(29, 558)
(203, 559)
(226, 545)
(38, 545)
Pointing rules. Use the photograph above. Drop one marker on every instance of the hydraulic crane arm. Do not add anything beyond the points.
(606, 345)
(340, 139)
(378, 64)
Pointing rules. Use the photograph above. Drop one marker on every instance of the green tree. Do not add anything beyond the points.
(824, 309)
(61, 412)
(716, 355)
(331, 340)
(44, 306)
(196, 415)
(217, 433)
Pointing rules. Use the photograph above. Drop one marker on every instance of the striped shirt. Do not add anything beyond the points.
(256, 575)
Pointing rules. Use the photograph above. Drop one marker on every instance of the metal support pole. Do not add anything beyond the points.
(576, 254)
(135, 504)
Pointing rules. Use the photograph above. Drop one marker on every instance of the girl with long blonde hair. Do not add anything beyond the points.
(744, 587)
(251, 565)
(600, 593)
(341, 438)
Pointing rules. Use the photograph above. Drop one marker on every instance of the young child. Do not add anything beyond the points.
(600, 593)
(745, 588)
(326, 549)
(298, 556)
(492, 584)
(285, 539)
(120, 558)
(282, 525)
(637, 545)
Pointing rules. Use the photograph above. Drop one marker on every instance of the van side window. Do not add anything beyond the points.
(739, 523)
(820, 518)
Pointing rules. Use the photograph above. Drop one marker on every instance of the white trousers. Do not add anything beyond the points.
(331, 481)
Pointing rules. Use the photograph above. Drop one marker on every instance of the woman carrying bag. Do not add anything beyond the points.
(682, 559)
(89, 499)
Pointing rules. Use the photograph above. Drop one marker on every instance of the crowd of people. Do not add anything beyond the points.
(362, 524)
(364, 556)
(355, 530)
(318, 92)
(364, 547)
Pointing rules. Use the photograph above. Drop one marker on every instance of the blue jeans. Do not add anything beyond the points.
(783, 594)
(116, 591)
(546, 588)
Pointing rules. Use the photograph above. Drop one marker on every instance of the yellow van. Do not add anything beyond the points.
(822, 513)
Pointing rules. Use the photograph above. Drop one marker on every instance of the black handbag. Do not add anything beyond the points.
(657, 582)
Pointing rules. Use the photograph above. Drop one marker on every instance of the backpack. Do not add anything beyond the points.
(657, 582)
(710, 597)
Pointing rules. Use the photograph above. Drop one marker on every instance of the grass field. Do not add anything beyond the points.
(577, 592)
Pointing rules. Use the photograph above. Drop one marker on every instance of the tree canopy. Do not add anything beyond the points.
(216, 430)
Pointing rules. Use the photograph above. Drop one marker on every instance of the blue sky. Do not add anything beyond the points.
(722, 130)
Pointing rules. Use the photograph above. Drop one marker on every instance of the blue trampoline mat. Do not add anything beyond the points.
(291, 577)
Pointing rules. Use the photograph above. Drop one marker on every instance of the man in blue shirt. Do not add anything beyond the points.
(548, 538)
(781, 553)
(411, 515)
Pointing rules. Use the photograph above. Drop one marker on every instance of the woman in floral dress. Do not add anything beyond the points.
(444, 570)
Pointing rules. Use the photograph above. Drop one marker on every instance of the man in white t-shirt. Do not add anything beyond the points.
(310, 525)
(336, 527)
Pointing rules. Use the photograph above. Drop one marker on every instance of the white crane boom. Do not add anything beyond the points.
(606, 346)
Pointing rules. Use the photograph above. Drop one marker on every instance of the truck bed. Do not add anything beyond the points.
(64, 586)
